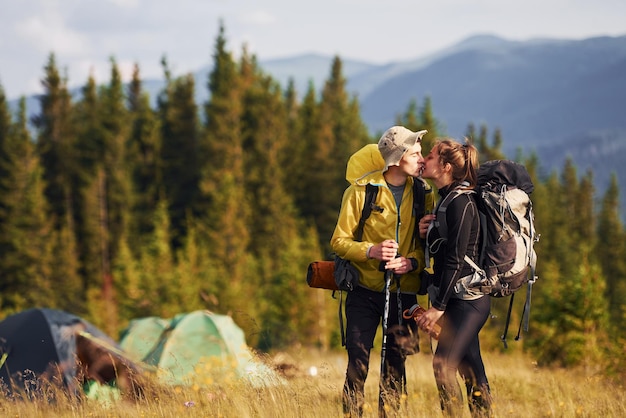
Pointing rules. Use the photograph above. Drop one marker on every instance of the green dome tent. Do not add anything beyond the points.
(199, 348)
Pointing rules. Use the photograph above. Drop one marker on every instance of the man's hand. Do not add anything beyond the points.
(424, 223)
(399, 265)
(384, 251)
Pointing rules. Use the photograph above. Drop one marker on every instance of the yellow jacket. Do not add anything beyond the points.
(365, 166)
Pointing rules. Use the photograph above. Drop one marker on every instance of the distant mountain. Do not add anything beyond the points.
(559, 98)
(534, 91)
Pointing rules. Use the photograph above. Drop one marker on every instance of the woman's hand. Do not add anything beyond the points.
(429, 318)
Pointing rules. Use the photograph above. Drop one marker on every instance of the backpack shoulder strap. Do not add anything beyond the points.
(440, 222)
(419, 197)
(420, 190)
(371, 191)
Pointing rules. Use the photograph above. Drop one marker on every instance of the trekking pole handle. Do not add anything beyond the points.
(415, 312)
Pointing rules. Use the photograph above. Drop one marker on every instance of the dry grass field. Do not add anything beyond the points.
(313, 383)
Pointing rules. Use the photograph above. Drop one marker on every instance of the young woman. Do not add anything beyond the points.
(452, 168)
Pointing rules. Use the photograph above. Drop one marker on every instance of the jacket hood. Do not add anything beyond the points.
(363, 163)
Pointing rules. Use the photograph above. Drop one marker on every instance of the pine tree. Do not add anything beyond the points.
(430, 123)
(180, 151)
(274, 232)
(112, 185)
(585, 221)
(417, 119)
(143, 153)
(410, 118)
(301, 166)
(193, 270)
(611, 250)
(25, 230)
(337, 133)
(5, 160)
(293, 157)
(567, 248)
(486, 151)
(225, 214)
(115, 121)
(55, 142)
(89, 184)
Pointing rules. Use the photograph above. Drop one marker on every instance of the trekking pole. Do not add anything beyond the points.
(383, 351)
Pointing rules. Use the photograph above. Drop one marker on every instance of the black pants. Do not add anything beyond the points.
(364, 313)
(458, 349)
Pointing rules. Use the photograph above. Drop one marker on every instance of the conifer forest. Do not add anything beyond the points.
(115, 205)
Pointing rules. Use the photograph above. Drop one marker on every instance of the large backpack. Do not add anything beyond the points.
(507, 258)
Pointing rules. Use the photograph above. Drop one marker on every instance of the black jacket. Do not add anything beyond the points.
(463, 223)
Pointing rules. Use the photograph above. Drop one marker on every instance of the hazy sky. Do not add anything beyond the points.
(84, 34)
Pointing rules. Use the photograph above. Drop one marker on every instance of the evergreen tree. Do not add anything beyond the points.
(567, 249)
(65, 271)
(568, 313)
(430, 123)
(222, 209)
(25, 231)
(338, 132)
(5, 160)
(294, 156)
(301, 166)
(486, 151)
(193, 270)
(470, 133)
(148, 281)
(417, 119)
(112, 184)
(585, 221)
(274, 234)
(55, 142)
(90, 184)
(611, 250)
(180, 151)
(143, 159)
(571, 329)
(410, 118)
(115, 121)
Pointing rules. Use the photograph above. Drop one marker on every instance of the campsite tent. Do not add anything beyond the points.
(39, 346)
(199, 347)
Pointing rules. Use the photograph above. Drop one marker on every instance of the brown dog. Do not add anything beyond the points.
(104, 364)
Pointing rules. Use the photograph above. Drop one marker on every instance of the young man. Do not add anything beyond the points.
(388, 243)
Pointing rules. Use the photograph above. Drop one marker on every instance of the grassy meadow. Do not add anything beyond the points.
(313, 383)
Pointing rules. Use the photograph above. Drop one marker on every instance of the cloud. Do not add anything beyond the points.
(84, 34)
(126, 4)
(258, 17)
(48, 31)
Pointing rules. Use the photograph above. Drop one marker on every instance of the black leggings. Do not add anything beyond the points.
(458, 349)
(364, 312)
